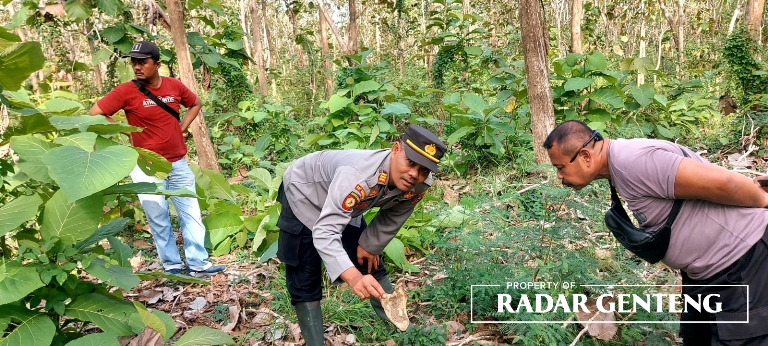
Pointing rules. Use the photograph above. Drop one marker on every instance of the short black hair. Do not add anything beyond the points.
(568, 135)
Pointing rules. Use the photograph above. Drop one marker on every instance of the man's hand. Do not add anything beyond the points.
(363, 286)
(373, 260)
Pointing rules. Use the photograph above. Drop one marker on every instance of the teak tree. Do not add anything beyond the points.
(535, 48)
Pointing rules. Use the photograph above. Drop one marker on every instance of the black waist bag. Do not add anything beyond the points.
(651, 247)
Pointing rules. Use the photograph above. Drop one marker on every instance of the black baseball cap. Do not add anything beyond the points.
(423, 147)
(144, 49)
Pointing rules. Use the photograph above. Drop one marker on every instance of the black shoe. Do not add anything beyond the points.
(175, 271)
(210, 271)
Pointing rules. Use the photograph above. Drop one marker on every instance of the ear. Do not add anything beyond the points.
(396, 147)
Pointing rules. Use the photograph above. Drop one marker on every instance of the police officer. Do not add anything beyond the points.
(324, 196)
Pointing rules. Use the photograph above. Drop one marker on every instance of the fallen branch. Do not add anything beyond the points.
(586, 326)
(532, 186)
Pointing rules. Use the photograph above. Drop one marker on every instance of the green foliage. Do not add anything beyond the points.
(257, 136)
(585, 88)
(739, 53)
(364, 113)
(422, 336)
(56, 226)
(454, 37)
(231, 86)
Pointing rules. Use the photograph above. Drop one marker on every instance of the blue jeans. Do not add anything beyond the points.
(158, 216)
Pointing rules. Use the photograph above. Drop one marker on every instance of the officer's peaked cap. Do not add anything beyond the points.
(423, 147)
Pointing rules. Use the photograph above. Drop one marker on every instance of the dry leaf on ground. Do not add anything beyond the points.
(395, 306)
(601, 331)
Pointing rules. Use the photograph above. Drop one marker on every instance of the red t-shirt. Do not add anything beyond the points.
(162, 132)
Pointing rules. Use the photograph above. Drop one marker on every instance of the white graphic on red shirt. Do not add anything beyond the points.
(166, 99)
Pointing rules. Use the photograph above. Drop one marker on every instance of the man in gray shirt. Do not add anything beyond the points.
(718, 237)
(324, 196)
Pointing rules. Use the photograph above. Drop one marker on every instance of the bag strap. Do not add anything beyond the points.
(156, 99)
(619, 208)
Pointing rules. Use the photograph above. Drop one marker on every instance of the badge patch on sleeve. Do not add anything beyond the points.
(360, 190)
(350, 201)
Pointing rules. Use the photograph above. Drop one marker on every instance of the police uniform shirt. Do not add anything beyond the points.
(330, 189)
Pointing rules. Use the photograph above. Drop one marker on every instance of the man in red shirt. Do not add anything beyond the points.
(162, 134)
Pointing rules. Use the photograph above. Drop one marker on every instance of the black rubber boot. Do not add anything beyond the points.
(310, 317)
(376, 304)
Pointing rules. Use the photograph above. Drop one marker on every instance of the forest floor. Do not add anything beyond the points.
(532, 231)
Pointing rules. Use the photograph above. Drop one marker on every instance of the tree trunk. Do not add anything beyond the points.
(343, 45)
(327, 65)
(242, 13)
(259, 51)
(676, 20)
(753, 15)
(576, 14)
(268, 33)
(535, 48)
(353, 39)
(643, 45)
(736, 14)
(205, 154)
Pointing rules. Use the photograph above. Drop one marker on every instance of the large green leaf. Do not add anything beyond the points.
(83, 140)
(96, 339)
(224, 224)
(219, 186)
(19, 281)
(148, 189)
(109, 313)
(112, 128)
(643, 95)
(81, 173)
(31, 151)
(80, 123)
(607, 96)
(61, 107)
(474, 103)
(157, 320)
(270, 252)
(152, 163)
(17, 62)
(395, 108)
(113, 274)
(596, 61)
(204, 336)
(365, 86)
(120, 252)
(77, 10)
(110, 7)
(21, 209)
(34, 123)
(114, 226)
(598, 115)
(460, 134)
(261, 177)
(336, 103)
(32, 328)
(71, 222)
(395, 250)
(577, 83)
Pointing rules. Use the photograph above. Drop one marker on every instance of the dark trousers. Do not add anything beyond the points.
(752, 270)
(303, 265)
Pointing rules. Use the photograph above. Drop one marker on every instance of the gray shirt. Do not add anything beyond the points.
(327, 190)
(706, 237)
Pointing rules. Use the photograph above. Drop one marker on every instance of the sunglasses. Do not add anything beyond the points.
(596, 136)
